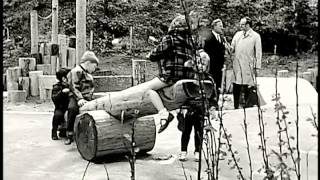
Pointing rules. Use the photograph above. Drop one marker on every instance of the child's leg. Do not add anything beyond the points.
(58, 115)
(197, 118)
(73, 111)
(185, 137)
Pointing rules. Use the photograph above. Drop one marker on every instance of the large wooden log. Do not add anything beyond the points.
(98, 134)
(136, 98)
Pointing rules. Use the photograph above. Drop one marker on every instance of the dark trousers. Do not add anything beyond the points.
(192, 119)
(58, 118)
(73, 111)
(244, 95)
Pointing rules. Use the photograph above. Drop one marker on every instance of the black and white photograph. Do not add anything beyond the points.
(160, 89)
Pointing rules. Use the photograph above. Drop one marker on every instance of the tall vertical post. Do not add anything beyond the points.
(54, 35)
(80, 28)
(91, 39)
(131, 34)
(34, 31)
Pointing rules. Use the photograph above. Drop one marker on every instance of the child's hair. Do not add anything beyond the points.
(62, 73)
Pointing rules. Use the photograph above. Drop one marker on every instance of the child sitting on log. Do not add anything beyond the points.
(174, 50)
(60, 99)
(82, 88)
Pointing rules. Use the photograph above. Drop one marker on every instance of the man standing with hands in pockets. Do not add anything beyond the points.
(246, 45)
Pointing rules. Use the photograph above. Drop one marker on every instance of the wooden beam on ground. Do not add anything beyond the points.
(26, 65)
(13, 74)
(34, 32)
(139, 68)
(34, 82)
(81, 6)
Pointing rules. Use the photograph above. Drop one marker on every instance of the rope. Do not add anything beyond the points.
(45, 17)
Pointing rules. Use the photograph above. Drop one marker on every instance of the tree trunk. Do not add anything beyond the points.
(98, 134)
(80, 29)
(136, 98)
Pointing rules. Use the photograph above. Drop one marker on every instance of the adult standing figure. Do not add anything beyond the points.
(215, 46)
(247, 59)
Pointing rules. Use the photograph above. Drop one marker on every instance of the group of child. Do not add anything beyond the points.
(175, 57)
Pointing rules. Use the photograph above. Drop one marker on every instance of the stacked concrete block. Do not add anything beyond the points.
(46, 68)
(13, 74)
(15, 96)
(112, 83)
(34, 82)
(24, 82)
(63, 44)
(46, 83)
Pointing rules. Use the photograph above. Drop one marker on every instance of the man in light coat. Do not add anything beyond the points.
(246, 45)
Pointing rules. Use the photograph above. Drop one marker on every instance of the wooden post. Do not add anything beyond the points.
(71, 54)
(53, 62)
(139, 71)
(25, 84)
(26, 65)
(131, 34)
(91, 39)
(34, 82)
(80, 28)
(62, 41)
(54, 35)
(42, 50)
(13, 74)
(34, 31)
(98, 134)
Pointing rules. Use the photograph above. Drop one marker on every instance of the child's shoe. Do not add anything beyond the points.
(183, 156)
(196, 156)
(54, 134)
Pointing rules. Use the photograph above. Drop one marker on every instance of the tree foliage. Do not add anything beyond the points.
(273, 19)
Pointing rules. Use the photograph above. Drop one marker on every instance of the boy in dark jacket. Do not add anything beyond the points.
(60, 93)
